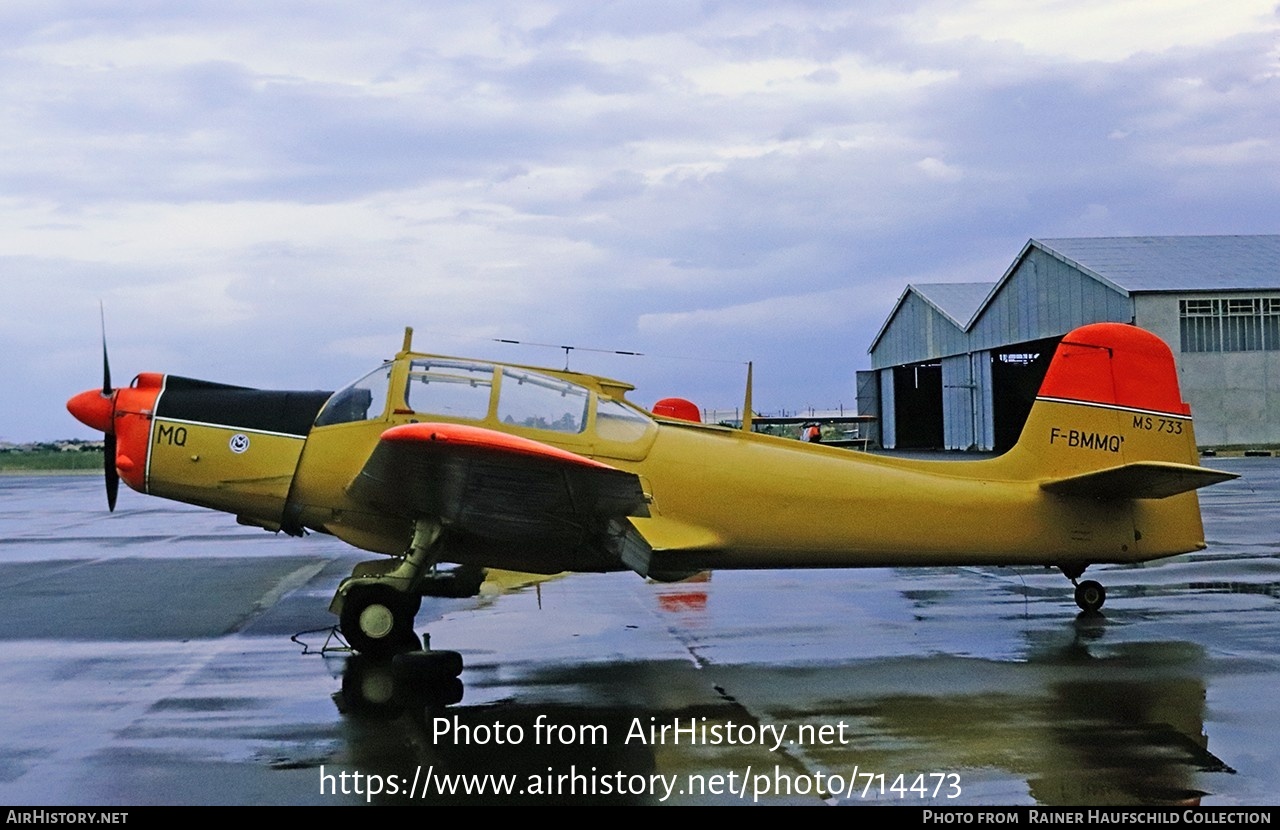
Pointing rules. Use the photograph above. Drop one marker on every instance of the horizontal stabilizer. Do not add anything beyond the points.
(1140, 480)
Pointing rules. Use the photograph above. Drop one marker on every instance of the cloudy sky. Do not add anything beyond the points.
(267, 192)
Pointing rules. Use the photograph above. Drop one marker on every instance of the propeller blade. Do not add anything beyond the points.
(110, 473)
(106, 364)
(109, 468)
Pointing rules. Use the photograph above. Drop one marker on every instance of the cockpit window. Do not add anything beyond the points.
(364, 400)
(615, 422)
(528, 399)
(449, 387)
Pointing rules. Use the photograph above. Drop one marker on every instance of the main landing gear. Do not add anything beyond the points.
(1090, 595)
(377, 603)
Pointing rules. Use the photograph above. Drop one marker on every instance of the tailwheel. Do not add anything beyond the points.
(377, 620)
(1090, 595)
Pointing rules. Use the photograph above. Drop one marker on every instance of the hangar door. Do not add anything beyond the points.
(1016, 374)
(917, 406)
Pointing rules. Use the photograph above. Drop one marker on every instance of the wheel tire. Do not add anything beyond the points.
(377, 620)
(431, 677)
(1090, 595)
(429, 664)
(443, 693)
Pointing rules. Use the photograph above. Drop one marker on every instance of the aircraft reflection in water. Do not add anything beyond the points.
(1124, 726)
(434, 459)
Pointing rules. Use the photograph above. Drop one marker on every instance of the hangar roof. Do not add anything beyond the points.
(1173, 263)
(957, 300)
(1118, 266)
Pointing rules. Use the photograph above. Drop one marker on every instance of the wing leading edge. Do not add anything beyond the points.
(524, 504)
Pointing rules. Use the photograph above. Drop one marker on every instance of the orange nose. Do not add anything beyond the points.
(93, 409)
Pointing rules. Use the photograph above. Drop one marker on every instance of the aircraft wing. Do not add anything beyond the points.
(511, 493)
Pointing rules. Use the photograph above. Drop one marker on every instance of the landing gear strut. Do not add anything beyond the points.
(377, 603)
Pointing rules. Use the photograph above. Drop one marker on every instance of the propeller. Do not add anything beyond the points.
(96, 408)
(109, 437)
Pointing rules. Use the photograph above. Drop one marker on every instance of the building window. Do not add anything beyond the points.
(1249, 324)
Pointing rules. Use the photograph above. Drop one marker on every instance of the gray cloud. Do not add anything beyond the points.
(266, 192)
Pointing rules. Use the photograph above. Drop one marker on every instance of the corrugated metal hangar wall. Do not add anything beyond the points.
(957, 365)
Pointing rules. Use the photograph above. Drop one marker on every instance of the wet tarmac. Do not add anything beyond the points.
(146, 658)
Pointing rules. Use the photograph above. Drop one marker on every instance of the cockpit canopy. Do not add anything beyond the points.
(507, 397)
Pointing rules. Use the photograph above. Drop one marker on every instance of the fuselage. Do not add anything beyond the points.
(434, 459)
(718, 497)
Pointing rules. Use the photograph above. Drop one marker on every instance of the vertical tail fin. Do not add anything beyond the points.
(1109, 426)
(1110, 398)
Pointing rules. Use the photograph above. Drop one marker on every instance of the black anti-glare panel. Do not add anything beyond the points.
(188, 399)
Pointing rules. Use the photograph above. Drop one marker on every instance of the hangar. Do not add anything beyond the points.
(957, 365)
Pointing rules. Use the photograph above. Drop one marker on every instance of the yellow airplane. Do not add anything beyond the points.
(432, 459)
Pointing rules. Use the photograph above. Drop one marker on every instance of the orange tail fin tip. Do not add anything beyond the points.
(1114, 364)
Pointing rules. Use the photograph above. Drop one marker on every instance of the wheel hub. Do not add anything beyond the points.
(377, 621)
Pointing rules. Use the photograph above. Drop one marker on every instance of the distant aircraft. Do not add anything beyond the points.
(432, 459)
(809, 428)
